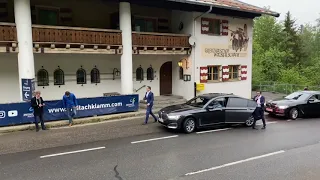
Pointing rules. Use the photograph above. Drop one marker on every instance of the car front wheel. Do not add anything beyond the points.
(189, 125)
(293, 113)
(250, 121)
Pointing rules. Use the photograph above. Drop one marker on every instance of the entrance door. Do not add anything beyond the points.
(166, 78)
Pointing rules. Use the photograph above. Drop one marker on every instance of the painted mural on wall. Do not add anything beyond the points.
(236, 45)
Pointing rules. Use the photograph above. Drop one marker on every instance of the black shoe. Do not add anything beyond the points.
(254, 128)
(37, 129)
(263, 127)
(155, 120)
(44, 129)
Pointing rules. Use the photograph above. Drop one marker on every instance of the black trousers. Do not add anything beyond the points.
(259, 113)
(40, 116)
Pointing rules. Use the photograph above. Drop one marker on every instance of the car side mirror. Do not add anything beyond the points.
(311, 100)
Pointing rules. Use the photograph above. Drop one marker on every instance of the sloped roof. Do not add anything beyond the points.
(233, 5)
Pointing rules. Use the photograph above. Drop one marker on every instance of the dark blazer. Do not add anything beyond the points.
(37, 110)
(150, 98)
(262, 100)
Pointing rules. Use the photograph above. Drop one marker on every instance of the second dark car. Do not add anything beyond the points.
(301, 103)
(208, 110)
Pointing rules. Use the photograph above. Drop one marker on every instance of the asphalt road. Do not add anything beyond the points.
(285, 150)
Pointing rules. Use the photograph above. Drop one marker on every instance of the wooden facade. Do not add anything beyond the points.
(60, 39)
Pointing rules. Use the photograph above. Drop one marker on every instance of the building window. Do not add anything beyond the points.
(43, 77)
(145, 24)
(47, 16)
(213, 73)
(210, 26)
(181, 73)
(150, 74)
(234, 72)
(81, 76)
(95, 75)
(139, 74)
(58, 77)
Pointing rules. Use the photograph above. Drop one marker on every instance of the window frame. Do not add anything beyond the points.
(150, 74)
(62, 79)
(181, 73)
(212, 74)
(47, 8)
(139, 71)
(44, 80)
(211, 20)
(231, 72)
(84, 76)
(95, 75)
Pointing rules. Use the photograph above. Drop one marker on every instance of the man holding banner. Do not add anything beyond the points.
(70, 103)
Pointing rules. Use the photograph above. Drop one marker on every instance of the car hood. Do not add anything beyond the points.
(284, 102)
(178, 108)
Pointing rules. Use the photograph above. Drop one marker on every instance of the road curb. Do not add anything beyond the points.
(81, 121)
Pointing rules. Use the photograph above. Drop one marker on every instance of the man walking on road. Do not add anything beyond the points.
(149, 98)
(259, 111)
(37, 104)
(70, 103)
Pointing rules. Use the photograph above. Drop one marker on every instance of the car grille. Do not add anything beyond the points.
(271, 105)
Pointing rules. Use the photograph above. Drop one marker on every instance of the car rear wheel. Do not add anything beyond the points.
(189, 125)
(293, 113)
(249, 121)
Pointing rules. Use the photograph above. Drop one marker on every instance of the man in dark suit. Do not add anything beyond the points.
(259, 111)
(37, 104)
(149, 97)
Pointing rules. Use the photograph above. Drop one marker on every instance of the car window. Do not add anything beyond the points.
(297, 96)
(315, 97)
(237, 102)
(198, 101)
(252, 104)
(218, 103)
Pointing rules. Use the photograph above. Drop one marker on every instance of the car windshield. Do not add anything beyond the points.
(297, 96)
(198, 101)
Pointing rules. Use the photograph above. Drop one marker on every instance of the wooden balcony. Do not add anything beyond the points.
(160, 43)
(58, 39)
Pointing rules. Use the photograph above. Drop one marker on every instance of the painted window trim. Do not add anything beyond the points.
(211, 20)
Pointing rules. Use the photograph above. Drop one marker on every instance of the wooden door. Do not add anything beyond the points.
(166, 78)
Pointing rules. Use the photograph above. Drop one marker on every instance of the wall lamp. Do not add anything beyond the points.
(115, 73)
(180, 63)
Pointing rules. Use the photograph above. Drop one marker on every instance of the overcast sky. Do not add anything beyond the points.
(304, 11)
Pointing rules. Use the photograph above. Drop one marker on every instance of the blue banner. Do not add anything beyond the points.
(22, 113)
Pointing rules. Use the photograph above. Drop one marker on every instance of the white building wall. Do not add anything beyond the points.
(70, 63)
(180, 87)
(241, 88)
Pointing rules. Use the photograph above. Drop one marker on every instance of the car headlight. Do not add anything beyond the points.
(283, 107)
(174, 117)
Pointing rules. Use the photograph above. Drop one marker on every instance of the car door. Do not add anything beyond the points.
(237, 110)
(214, 113)
(313, 105)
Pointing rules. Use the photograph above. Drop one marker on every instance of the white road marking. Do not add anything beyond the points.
(72, 152)
(154, 139)
(216, 130)
(234, 163)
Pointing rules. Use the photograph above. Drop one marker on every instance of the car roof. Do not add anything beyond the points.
(215, 95)
(309, 92)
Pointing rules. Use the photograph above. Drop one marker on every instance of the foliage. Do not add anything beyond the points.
(283, 53)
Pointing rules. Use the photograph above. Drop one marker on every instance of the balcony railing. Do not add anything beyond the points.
(64, 35)
(160, 40)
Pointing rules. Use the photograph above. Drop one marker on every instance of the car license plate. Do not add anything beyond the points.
(269, 109)
(160, 120)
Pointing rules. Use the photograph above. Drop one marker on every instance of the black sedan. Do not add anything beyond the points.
(297, 104)
(208, 110)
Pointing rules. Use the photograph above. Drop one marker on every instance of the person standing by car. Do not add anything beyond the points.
(306, 88)
(37, 104)
(259, 111)
(70, 103)
(149, 97)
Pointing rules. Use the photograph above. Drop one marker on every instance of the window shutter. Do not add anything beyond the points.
(205, 22)
(225, 73)
(244, 72)
(203, 74)
(225, 27)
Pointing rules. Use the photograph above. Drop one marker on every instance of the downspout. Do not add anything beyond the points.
(194, 52)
